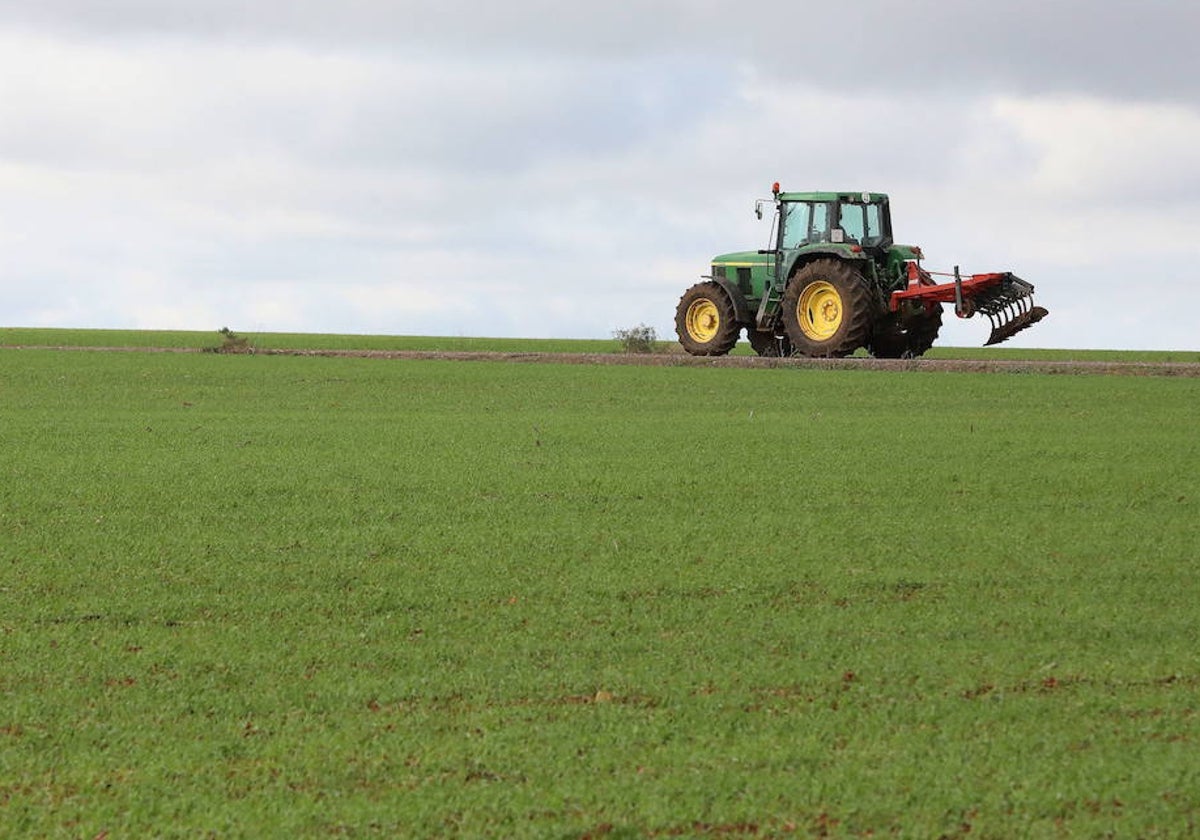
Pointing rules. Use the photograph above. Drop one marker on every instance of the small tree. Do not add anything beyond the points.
(639, 339)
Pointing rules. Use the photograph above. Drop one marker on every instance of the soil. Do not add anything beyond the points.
(683, 360)
(677, 358)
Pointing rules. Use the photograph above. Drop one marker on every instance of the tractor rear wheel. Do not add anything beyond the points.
(909, 336)
(827, 309)
(769, 344)
(705, 321)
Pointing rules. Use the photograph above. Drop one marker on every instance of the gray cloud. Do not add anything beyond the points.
(1131, 49)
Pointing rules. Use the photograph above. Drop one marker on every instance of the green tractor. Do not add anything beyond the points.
(834, 281)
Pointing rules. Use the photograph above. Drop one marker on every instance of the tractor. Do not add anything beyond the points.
(833, 282)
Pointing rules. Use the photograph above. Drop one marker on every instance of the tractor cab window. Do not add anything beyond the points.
(875, 232)
(861, 224)
(805, 223)
(818, 228)
(852, 223)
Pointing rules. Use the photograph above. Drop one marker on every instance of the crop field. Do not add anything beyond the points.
(285, 342)
(276, 595)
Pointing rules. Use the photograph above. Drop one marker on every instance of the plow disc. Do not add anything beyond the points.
(1004, 298)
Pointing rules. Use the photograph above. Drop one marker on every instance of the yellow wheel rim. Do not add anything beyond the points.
(703, 320)
(819, 310)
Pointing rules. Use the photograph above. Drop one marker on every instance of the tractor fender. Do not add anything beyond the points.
(741, 310)
(837, 252)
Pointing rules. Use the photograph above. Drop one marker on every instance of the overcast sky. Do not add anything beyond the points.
(548, 169)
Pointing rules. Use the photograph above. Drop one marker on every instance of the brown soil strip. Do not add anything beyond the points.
(1182, 369)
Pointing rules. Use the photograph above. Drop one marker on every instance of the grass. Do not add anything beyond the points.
(1064, 355)
(199, 340)
(249, 595)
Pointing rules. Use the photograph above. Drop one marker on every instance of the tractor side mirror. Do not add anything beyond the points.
(758, 208)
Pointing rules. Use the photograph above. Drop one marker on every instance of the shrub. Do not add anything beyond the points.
(231, 342)
(639, 339)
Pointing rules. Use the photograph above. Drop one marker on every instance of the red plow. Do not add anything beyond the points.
(1004, 298)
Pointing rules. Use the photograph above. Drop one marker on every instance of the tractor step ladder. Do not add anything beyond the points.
(772, 294)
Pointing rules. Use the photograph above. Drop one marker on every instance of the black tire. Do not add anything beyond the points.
(705, 321)
(769, 344)
(908, 334)
(827, 309)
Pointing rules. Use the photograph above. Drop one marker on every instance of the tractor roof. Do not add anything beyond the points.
(848, 195)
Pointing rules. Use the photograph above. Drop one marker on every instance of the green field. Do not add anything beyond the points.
(267, 341)
(195, 340)
(303, 596)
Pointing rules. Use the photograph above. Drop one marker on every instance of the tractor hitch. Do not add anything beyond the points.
(1004, 298)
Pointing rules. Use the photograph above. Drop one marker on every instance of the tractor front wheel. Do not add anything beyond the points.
(705, 321)
(827, 309)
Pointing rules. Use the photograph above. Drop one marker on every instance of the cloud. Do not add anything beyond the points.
(1089, 149)
(549, 171)
(1125, 49)
(152, 106)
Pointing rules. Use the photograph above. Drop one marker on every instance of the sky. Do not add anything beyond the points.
(539, 169)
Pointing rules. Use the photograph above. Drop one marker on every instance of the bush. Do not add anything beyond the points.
(639, 339)
(231, 342)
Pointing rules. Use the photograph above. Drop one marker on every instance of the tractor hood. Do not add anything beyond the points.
(750, 271)
(742, 258)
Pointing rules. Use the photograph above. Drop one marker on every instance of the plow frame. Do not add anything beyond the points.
(1005, 298)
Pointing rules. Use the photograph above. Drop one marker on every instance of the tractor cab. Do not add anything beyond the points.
(807, 219)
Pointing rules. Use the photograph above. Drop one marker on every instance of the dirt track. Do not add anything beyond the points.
(680, 359)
